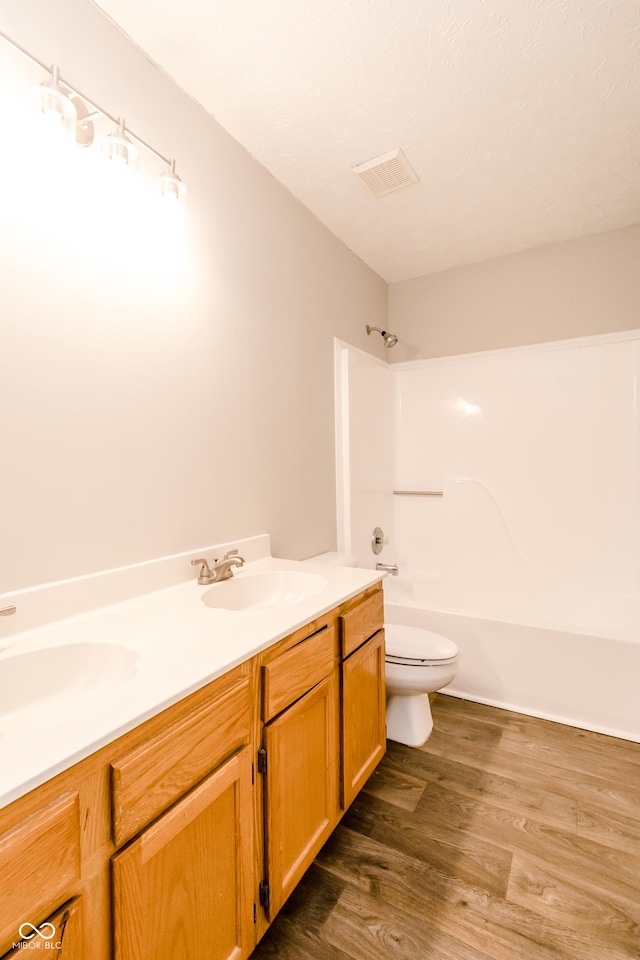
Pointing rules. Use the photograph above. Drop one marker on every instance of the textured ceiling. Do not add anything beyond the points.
(519, 116)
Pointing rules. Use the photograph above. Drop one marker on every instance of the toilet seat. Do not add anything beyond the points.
(409, 662)
(416, 647)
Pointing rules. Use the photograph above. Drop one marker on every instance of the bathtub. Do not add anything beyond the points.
(577, 678)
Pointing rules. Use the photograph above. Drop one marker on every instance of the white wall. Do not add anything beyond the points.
(159, 389)
(573, 289)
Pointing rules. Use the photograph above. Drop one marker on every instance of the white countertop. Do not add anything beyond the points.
(177, 645)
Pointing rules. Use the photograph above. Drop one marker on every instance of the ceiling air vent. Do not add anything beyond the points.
(387, 173)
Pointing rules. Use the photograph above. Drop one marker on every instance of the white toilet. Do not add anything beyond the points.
(417, 663)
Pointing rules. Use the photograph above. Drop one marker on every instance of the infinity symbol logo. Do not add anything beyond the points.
(41, 931)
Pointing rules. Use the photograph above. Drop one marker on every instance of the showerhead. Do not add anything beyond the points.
(390, 339)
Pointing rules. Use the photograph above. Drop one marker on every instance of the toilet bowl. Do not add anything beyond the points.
(417, 663)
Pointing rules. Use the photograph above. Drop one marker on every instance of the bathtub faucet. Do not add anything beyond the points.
(391, 568)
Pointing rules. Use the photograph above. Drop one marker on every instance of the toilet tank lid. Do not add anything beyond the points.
(333, 559)
(414, 643)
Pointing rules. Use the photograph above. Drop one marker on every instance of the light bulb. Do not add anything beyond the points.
(55, 104)
(120, 148)
(171, 186)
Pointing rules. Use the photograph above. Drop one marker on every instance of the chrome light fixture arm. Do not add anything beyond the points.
(171, 183)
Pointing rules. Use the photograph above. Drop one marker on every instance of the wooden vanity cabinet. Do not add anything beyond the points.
(298, 759)
(363, 715)
(39, 866)
(363, 700)
(301, 788)
(323, 734)
(184, 837)
(61, 935)
(148, 778)
(183, 887)
(174, 793)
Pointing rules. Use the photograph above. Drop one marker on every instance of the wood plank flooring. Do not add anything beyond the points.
(504, 838)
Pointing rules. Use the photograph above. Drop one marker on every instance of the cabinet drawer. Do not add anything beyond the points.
(299, 669)
(150, 777)
(39, 865)
(361, 623)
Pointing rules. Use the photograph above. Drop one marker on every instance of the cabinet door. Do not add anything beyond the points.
(39, 864)
(363, 715)
(301, 787)
(60, 935)
(181, 888)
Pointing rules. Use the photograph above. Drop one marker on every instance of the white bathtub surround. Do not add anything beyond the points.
(530, 559)
(543, 447)
(364, 453)
(161, 642)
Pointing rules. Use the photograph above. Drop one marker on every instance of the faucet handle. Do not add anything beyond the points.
(205, 570)
(233, 553)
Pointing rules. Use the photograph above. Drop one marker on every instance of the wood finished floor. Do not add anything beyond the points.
(503, 838)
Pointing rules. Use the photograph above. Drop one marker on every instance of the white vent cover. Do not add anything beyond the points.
(391, 171)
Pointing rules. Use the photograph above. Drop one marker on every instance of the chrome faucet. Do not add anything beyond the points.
(221, 569)
(391, 568)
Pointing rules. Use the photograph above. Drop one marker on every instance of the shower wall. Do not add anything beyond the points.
(364, 453)
(536, 451)
(530, 556)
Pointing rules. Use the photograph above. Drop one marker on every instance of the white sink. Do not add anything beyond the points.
(30, 679)
(254, 591)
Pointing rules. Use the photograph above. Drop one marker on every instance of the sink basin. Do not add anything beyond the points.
(254, 591)
(30, 679)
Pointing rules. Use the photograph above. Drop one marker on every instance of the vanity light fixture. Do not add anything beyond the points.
(171, 185)
(55, 103)
(121, 149)
(76, 112)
